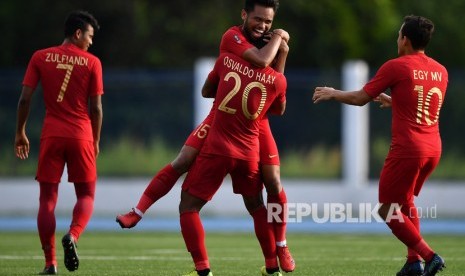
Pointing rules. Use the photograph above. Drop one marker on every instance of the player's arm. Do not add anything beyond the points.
(264, 56)
(280, 61)
(24, 106)
(96, 118)
(211, 83)
(209, 89)
(277, 108)
(359, 97)
(384, 100)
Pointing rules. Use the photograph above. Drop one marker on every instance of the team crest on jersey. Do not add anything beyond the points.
(238, 40)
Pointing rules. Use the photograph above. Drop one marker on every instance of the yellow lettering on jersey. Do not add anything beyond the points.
(265, 78)
(436, 76)
(426, 75)
(65, 59)
(238, 67)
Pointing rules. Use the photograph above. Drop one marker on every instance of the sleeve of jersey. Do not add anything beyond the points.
(381, 81)
(32, 76)
(234, 42)
(96, 80)
(213, 76)
(281, 87)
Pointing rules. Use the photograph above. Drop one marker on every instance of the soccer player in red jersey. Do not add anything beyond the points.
(244, 42)
(244, 95)
(417, 86)
(72, 86)
(236, 41)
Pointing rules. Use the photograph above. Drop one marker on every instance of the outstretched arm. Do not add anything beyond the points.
(384, 100)
(359, 97)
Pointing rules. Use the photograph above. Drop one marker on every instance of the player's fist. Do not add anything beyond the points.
(283, 34)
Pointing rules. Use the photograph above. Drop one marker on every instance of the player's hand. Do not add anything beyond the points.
(267, 36)
(384, 100)
(323, 94)
(96, 149)
(283, 34)
(283, 47)
(21, 146)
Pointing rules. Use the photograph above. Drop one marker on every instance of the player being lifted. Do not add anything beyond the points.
(245, 41)
(232, 147)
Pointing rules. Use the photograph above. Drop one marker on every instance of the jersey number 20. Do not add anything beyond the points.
(245, 96)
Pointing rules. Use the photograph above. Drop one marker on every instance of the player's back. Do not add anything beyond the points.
(244, 95)
(417, 101)
(68, 76)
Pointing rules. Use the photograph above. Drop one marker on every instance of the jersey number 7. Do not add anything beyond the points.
(64, 85)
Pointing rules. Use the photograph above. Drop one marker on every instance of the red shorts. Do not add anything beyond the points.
(79, 156)
(268, 150)
(208, 172)
(198, 135)
(403, 178)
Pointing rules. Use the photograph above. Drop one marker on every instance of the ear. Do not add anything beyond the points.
(243, 14)
(77, 34)
(406, 41)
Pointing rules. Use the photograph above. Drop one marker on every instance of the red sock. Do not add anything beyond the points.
(424, 250)
(279, 227)
(194, 237)
(265, 236)
(46, 223)
(407, 233)
(83, 208)
(160, 185)
(410, 210)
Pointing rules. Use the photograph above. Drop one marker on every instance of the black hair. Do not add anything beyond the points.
(79, 20)
(419, 30)
(250, 4)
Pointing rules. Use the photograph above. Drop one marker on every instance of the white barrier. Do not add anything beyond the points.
(19, 197)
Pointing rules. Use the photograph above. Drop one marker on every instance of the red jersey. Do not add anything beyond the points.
(418, 86)
(69, 76)
(244, 95)
(234, 41)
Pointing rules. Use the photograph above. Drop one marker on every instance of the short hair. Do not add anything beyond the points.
(79, 20)
(250, 4)
(419, 30)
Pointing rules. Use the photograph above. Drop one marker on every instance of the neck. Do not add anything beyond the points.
(67, 41)
(411, 51)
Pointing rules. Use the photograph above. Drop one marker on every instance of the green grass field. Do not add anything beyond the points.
(156, 253)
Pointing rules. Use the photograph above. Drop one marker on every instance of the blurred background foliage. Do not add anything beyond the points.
(148, 49)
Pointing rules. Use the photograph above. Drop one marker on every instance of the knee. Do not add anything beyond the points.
(272, 185)
(271, 179)
(184, 159)
(383, 211)
(253, 203)
(190, 203)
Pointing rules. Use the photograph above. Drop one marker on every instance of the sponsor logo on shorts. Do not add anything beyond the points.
(272, 156)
